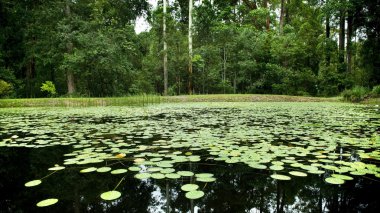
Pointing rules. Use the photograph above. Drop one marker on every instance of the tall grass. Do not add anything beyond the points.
(139, 100)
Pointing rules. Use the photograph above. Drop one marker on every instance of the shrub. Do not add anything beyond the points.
(355, 94)
(49, 88)
(376, 91)
(5, 88)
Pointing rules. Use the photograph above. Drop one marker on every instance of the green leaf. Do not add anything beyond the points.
(297, 173)
(333, 180)
(189, 187)
(194, 194)
(47, 202)
(280, 177)
(110, 195)
(33, 183)
(118, 171)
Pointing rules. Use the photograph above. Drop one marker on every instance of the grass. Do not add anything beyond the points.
(81, 102)
(152, 99)
(246, 98)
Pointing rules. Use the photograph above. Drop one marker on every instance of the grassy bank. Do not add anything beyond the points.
(246, 98)
(81, 102)
(152, 99)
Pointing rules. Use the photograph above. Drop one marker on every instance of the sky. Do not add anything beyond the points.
(141, 24)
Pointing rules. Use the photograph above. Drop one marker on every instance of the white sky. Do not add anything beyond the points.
(141, 24)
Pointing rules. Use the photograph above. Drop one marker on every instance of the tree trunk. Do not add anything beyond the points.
(349, 36)
(328, 57)
(190, 89)
(165, 53)
(287, 13)
(267, 24)
(282, 16)
(69, 45)
(342, 20)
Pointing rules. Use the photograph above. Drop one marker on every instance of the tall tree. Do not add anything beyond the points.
(342, 20)
(69, 46)
(190, 89)
(165, 52)
(282, 14)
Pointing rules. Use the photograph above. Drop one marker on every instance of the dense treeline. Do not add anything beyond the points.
(90, 48)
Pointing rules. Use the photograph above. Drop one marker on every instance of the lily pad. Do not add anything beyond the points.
(33, 183)
(185, 173)
(143, 175)
(91, 169)
(47, 202)
(192, 195)
(119, 171)
(103, 169)
(110, 195)
(333, 180)
(343, 177)
(297, 173)
(280, 177)
(189, 187)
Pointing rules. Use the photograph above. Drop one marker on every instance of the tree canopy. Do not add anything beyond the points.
(90, 48)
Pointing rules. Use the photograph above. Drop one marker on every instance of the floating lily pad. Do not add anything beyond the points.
(194, 194)
(343, 177)
(206, 179)
(185, 173)
(297, 173)
(33, 183)
(333, 180)
(157, 176)
(103, 169)
(142, 175)
(173, 176)
(119, 171)
(47, 202)
(134, 168)
(110, 195)
(280, 177)
(91, 169)
(189, 187)
(276, 167)
(56, 168)
(204, 175)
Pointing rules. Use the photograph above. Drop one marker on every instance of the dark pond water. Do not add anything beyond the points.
(224, 140)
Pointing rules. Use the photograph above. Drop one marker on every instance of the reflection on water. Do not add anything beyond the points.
(235, 190)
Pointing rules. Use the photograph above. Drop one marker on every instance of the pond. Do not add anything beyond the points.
(191, 157)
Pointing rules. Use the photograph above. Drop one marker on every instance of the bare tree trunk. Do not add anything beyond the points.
(165, 52)
(349, 36)
(224, 69)
(69, 46)
(342, 20)
(328, 57)
(267, 24)
(282, 16)
(190, 89)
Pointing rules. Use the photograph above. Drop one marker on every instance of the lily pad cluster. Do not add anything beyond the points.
(289, 140)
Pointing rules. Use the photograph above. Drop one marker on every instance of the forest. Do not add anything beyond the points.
(90, 48)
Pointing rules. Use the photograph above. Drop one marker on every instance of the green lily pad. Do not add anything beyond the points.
(110, 195)
(103, 169)
(134, 168)
(119, 171)
(173, 176)
(204, 175)
(280, 177)
(189, 187)
(142, 175)
(185, 173)
(194, 194)
(276, 167)
(33, 183)
(343, 177)
(47, 202)
(56, 168)
(206, 179)
(333, 180)
(157, 176)
(297, 173)
(91, 169)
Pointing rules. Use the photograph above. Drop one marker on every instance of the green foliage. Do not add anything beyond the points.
(49, 88)
(5, 88)
(376, 91)
(355, 94)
